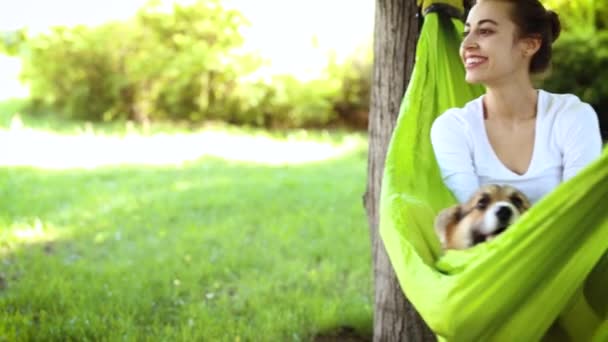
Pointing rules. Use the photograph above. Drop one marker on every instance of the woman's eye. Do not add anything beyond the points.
(485, 32)
(465, 33)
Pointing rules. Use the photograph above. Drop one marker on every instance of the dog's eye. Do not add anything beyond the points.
(517, 201)
(483, 202)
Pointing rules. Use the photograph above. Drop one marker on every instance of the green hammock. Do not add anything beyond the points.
(546, 277)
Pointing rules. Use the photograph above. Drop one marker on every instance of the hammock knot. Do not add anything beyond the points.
(453, 8)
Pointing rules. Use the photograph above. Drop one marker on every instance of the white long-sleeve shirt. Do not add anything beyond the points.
(567, 138)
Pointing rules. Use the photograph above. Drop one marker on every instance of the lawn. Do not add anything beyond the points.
(210, 248)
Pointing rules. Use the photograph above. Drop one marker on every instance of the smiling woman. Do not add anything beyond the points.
(514, 134)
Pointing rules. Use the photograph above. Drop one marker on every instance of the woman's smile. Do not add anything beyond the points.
(472, 62)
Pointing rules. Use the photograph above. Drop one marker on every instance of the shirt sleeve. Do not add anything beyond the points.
(454, 154)
(580, 139)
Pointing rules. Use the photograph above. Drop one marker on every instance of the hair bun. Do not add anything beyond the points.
(554, 24)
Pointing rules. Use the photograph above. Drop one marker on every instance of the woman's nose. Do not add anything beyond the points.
(469, 42)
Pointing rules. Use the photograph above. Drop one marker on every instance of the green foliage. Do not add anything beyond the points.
(355, 75)
(303, 103)
(581, 16)
(339, 95)
(580, 55)
(581, 66)
(194, 71)
(11, 42)
(74, 70)
(177, 65)
(196, 252)
(183, 64)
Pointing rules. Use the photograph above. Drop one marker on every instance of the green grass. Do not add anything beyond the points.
(212, 250)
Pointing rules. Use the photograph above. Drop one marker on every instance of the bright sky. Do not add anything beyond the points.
(39, 14)
(284, 29)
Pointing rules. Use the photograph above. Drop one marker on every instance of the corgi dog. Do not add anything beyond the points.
(486, 214)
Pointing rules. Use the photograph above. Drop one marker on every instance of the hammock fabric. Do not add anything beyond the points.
(545, 278)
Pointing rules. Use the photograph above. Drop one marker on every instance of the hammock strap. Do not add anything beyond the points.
(453, 8)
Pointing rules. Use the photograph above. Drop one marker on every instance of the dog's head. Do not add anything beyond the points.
(487, 213)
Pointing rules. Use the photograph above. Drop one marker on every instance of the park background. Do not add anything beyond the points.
(194, 170)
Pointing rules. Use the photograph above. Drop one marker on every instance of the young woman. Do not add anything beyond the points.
(514, 134)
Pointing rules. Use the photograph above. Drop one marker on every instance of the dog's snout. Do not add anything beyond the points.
(504, 213)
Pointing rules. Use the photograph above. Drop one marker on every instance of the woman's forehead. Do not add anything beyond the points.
(491, 12)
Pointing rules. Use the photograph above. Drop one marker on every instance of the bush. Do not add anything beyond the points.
(12, 41)
(581, 16)
(355, 76)
(581, 54)
(177, 65)
(183, 64)
(580, 66)
(74, 71)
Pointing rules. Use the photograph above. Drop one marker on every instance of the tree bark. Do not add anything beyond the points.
(395, 36)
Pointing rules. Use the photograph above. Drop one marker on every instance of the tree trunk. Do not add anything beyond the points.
(395, 36)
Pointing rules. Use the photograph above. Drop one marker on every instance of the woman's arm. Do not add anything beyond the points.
(454, 154)
(581, 140)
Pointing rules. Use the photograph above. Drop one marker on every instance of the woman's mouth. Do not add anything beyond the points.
(474, 61)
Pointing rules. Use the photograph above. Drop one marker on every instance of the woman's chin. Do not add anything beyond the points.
(473, 79)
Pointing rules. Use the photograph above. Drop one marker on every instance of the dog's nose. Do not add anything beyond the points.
(504, 214)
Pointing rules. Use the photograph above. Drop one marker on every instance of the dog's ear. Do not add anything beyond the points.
(446, 218)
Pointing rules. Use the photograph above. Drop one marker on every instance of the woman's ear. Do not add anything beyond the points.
(530, 45)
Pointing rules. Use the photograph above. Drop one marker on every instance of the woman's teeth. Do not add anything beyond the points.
(474, 61)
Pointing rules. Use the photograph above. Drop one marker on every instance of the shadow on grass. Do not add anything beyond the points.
(343, 334)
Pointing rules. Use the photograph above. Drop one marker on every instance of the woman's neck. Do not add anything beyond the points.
(513, 102)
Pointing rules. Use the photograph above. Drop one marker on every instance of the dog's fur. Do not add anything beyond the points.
(487, 213)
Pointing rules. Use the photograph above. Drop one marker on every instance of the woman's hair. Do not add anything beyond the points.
(533, 20)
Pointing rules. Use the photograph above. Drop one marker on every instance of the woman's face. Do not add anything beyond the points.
(490, 51)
